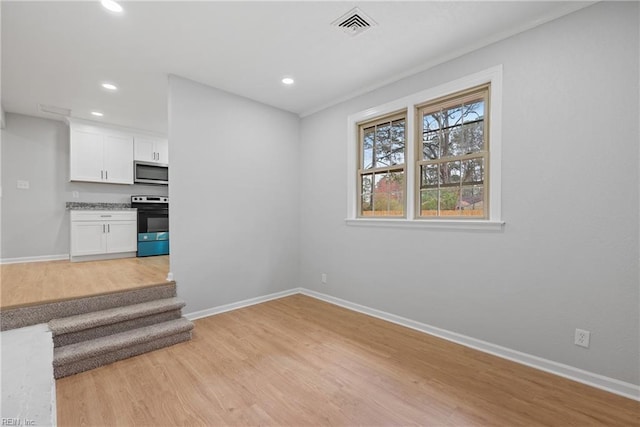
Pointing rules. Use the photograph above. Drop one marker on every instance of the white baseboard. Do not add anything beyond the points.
(240, 304)
(611, 385)
(41, 258)
(102, 257)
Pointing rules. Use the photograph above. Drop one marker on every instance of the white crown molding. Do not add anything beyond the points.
(572, 6)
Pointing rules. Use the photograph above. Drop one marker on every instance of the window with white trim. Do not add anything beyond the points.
(452, 156)
(431, 159)
(381, 168)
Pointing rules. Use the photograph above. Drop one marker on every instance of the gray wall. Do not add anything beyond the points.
(234, 196)
(568, 255)
(35, 222)
(259, 201)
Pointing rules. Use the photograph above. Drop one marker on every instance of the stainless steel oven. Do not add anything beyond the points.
(153, 224)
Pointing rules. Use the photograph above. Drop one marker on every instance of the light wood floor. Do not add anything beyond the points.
(41, 282)
(298, 361)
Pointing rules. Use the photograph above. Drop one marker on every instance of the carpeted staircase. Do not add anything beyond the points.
(87, 341)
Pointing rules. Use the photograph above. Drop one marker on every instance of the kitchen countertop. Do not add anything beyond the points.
(85, 206)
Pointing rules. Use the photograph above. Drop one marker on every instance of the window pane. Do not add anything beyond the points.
(397, 142)
(395, 183)
(473, 138)
(383, 146)
(433, 139)
(450, 173)
(449, 201)
(473, 111)
(452, 143)
(367, 148)
(379, 201)
(431, 145)
(429, 176)
(473, 171)
(452, 116)
(429, 202)
(431, 122)
(366, 192)
(472, 200)
(388, 194)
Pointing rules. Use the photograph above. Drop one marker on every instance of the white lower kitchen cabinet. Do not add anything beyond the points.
(103, 234)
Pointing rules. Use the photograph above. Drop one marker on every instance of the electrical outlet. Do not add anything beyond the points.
(323, 278)
(75, 194)
(22, 185)
(582, 338)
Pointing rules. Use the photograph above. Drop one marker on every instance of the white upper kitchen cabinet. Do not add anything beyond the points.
(118, 150)
(149, 149)
(100, 154)
(87, 159)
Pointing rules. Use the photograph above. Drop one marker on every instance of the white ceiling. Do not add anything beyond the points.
(58, 53)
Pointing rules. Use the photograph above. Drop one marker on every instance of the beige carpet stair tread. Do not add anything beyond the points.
(114, 356)
(86, 349)
(19, 317)
(110, 316)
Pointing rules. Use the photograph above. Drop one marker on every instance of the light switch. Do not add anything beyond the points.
(23, 185)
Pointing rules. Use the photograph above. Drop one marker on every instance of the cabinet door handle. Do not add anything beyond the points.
(105, 216)
(101, 174)
(103, 228)
(108, 228)
(106, 174)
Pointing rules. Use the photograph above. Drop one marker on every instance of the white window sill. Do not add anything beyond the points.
(442, 224)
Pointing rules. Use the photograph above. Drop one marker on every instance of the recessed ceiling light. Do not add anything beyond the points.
(97, 113)
(111, 5)
(288, 81)
(109, 86)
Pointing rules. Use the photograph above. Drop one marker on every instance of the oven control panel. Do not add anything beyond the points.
(149, 199)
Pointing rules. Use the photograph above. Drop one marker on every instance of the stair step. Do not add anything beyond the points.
(115, 328)
(95, 348)
(111, 316)
(18, 317)
(123, 353)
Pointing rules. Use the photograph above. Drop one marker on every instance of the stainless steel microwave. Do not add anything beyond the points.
(150, 173)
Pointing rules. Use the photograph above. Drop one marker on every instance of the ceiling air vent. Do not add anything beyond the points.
(354, 22)
(52, 109)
